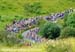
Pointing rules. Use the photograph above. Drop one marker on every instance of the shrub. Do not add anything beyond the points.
(71, 20)
(68, 32)
(50, 30)
(8, 39)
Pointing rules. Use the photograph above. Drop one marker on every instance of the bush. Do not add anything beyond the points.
(50, 30)
(71, 20)
(8, 39)
(68, 32)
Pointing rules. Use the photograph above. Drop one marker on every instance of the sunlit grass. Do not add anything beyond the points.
(41, 47)
(35, 48)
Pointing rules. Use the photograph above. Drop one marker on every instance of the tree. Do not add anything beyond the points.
(50, 30)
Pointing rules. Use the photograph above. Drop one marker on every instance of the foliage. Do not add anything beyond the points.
(19, 36)
(71, 20)
(50, 30)
(69, 28)
(8, 38)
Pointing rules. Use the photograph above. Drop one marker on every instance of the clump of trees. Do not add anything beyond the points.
(54, 30)
(71, 20)
(69, 29)
(50, 30)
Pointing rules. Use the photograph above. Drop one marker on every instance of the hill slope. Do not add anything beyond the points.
(11, 8)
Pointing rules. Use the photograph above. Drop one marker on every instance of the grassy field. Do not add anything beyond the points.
(34, 48)
(68, 43)
(42, 47)
(16, 7)
(11, 8)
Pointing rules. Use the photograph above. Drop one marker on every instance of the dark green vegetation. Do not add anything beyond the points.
(50, 30)
(71, 20)
(69, 28)
(61, 29)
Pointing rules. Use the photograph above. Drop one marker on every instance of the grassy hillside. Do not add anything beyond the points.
(11, 8)
(55, 46)
(16, 7)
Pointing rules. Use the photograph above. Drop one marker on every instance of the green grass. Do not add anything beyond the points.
(33, 48)
(11, 8)
(16, 7)
(68, 43)
(42, 47)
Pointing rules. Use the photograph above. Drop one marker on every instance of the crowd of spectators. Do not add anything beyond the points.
(29, 22)
(54, 16)
(23, 24)
(32, 35)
